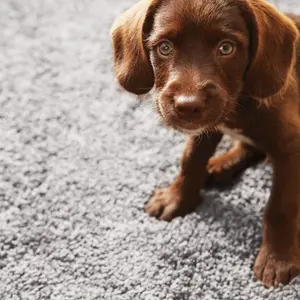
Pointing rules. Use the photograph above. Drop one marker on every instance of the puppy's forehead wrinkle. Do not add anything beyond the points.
(205, 12)
(191, 75)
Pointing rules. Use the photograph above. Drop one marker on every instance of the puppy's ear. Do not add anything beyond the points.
(132, 64)
(272, 51)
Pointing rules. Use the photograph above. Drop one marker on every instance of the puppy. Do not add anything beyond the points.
(222, 67)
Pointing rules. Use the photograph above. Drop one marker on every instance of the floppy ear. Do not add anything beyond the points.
(132, 64)
(273, 41)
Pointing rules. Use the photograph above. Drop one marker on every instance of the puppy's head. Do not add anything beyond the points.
(200, 55)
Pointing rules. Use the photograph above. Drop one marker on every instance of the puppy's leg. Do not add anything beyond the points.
(278, 260)
(224, 167)
(182, 196)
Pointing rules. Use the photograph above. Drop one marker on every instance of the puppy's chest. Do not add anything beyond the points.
(236, 134)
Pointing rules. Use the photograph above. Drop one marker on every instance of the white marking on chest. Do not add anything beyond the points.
(236, 134)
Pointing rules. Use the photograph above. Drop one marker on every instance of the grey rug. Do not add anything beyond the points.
(78, 160)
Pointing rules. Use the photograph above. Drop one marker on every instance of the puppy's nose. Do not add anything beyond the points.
(189, 106)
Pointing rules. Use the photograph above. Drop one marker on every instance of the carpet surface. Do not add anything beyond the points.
(79, 157)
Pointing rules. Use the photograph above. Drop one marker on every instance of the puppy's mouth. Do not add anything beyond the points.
(195, 132)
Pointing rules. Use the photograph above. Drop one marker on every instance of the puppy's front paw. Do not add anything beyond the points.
(221, 163)
(273, 270)
(167, 203)
(220, 170)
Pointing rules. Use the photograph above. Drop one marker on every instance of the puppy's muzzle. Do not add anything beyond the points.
(191, 106)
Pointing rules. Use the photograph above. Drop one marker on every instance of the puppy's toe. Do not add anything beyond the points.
(166, 204)
(154, 209)
(162, 205)
(221, 163)
(214, 165)
(273, 271)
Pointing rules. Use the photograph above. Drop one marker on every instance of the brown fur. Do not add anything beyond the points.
(254, 91)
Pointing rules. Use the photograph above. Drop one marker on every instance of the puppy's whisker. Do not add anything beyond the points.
(199, 140)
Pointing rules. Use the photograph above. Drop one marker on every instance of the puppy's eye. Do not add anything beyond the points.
(165, 49)
(226, 48)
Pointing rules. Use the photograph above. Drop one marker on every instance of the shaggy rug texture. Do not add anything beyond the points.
(79, 157)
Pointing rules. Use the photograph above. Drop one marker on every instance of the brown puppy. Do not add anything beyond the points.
(222, 67)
